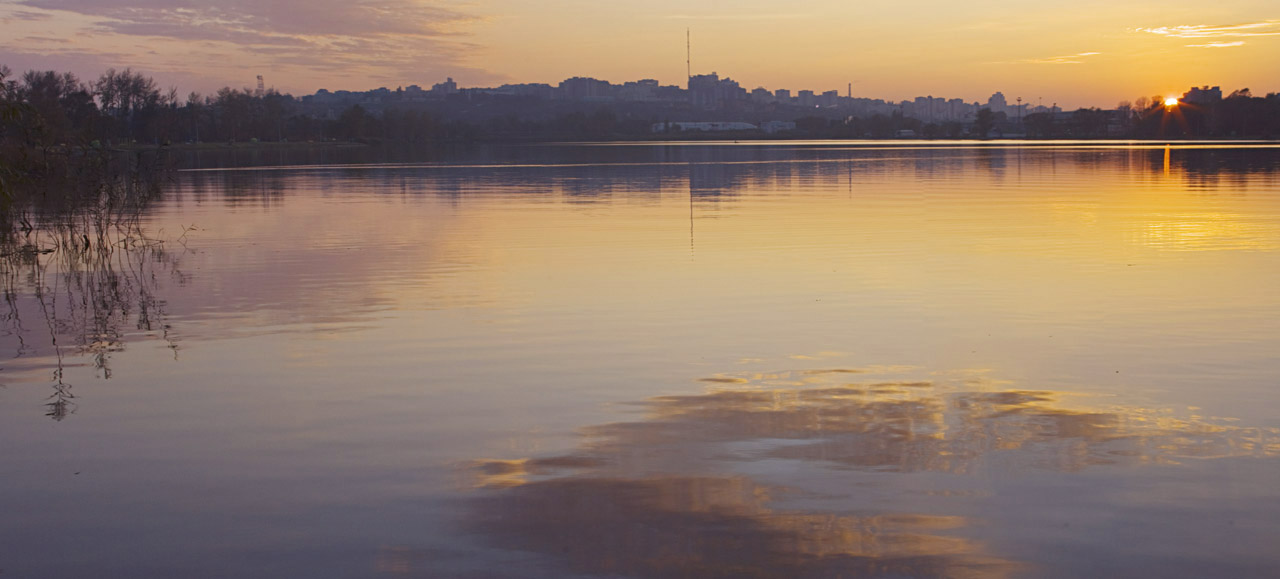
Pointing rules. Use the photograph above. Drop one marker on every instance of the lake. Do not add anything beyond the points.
(771, 359)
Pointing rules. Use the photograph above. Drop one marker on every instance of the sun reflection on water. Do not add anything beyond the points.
(1205, 231)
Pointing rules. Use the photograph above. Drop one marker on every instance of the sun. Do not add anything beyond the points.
(1171, 102)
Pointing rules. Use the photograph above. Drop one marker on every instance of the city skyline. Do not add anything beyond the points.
(1094, 55)
(705, 92)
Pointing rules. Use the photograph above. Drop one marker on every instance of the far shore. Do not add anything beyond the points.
(241, 145)
(709, 139)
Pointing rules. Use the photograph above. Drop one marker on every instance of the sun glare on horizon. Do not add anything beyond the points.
(1171, 102)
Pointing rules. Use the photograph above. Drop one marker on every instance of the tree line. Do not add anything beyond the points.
(1239, 115)
(50, 108)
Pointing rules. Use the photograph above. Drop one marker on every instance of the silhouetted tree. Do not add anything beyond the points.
(63, 104)
(356, 123)
(1040, 125)
(1089, 123)
(128, 98)
(983, 123)
(811, 124)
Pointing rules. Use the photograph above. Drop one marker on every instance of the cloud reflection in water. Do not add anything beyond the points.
(670, 495)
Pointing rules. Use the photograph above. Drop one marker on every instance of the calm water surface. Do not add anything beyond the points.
(662, 360)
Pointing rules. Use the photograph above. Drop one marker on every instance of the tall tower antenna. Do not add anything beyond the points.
(261, 86)
(688, 53)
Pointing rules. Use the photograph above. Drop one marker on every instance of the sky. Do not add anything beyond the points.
(1083, 53)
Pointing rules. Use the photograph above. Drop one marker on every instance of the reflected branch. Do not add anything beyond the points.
(73, 248)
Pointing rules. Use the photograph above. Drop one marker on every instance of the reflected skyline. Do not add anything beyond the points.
(1146, 210)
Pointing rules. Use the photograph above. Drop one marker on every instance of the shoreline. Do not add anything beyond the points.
(701, 140)
(240, 146)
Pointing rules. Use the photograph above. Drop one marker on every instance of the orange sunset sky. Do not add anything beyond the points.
(1083, 53)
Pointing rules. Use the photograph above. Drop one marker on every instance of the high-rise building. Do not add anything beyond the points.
(1202, 96)
(581, 88)
(447, 87)
(998, 104)
(709, 90)
(640, 90)
(806, 98)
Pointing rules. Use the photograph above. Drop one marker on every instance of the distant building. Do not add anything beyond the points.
(998, 104)
(714, 97)
(772, 127)
(644, 90)
(937, 110)
(703, 126)
(585, 89)
(806, 98)
(711, 91)
(538, 89)
(535, 90)
(1203, 95)
(957, 110)
(445, 88)
(414, 93)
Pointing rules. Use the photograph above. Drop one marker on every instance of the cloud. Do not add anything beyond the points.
(1077, 58)
(1261, 28)
(27, 16)
(635, 495)
(289, 18)
(1217, 44)
(85, 64)
(44, 39)
(775, 16)
(375, 39)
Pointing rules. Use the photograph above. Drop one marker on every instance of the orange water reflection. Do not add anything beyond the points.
(346, 334)
(693, 526)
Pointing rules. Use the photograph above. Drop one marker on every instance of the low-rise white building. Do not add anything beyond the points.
(771, 127)
(704, 126)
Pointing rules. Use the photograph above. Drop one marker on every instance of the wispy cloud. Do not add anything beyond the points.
(1261, 28)
(27, 16)
(396, 39)
(774, 16)
(288, 18)
(1077, 58)
(1217, 44)
(44, 39)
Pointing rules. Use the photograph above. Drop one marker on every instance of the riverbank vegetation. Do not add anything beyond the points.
(77, 268)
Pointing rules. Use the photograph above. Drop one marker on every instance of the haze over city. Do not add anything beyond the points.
(1084, 54)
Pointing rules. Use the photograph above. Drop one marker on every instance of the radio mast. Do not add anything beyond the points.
(688, 54)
